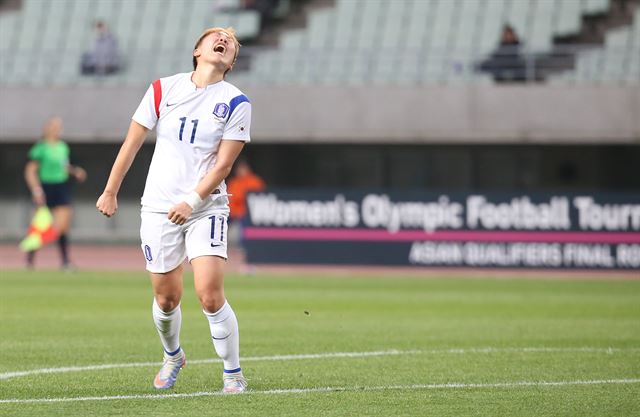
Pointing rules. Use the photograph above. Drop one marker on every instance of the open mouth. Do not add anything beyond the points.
(221, 49)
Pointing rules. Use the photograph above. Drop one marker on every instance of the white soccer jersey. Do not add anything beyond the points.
(191, 122)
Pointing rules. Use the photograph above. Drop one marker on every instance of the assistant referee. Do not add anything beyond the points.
(47, 174)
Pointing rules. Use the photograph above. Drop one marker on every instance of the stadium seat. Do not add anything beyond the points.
(367, 24)
(595, 6)
(540, 37)
(172, 36)
(416, 30)
(615, 62)
(319, 30)
(246, 22)
(568, 17)
(8, 24)
(492, 22)
(634, 61)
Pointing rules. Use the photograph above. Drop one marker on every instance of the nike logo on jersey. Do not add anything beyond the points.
(172, 104)
(215, 246)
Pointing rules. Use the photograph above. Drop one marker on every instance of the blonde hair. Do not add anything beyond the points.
(230, 32)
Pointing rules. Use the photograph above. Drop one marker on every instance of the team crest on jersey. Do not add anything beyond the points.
(221, 110)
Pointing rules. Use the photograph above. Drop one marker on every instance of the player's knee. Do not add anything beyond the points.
(167, 303)
(211, 302)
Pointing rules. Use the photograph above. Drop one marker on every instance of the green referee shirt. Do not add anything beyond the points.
(52, 159)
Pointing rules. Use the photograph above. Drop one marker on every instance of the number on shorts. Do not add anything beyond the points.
(213, 231)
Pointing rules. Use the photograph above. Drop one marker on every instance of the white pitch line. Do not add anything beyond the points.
(459, 385)
(9, 375)
(392, 352)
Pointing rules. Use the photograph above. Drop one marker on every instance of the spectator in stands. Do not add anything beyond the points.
(104, 58)
(47, 174)
(243, 182)
(505, 63)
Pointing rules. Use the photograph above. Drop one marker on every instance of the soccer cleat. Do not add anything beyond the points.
(168, 373)
(234, 383)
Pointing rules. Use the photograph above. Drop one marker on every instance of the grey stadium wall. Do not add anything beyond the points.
(431, 114)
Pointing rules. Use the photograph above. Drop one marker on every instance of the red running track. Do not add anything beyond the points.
(130, 258)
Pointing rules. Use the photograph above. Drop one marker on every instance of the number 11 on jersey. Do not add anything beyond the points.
(193, 130)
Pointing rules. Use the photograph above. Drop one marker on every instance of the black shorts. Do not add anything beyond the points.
(57, 194)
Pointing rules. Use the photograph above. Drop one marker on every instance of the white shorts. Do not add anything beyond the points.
(165, 245)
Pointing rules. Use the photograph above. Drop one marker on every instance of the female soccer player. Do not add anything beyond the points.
(47, 176)
(202, 122)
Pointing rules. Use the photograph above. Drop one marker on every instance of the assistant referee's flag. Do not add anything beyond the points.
(41, 231)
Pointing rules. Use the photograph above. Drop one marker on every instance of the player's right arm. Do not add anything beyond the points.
(33, 182)
(107, 204)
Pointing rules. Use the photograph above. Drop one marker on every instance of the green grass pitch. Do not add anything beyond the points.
(418, 347)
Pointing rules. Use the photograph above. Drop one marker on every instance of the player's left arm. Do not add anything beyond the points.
(75, 171)
(227, 155)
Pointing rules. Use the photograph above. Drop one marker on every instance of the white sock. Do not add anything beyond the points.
(226, 338)
(168, 325)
